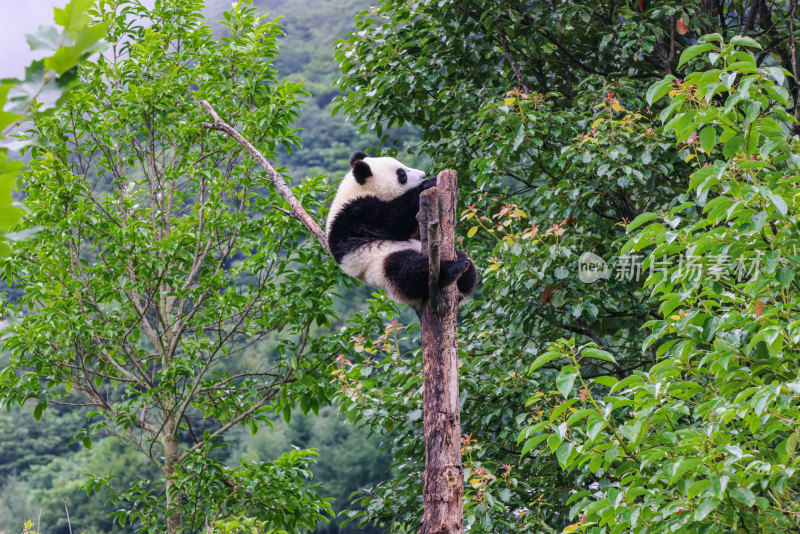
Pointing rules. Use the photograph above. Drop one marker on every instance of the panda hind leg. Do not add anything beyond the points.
(407, 272)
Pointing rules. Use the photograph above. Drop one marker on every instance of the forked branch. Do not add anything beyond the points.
(278, 181)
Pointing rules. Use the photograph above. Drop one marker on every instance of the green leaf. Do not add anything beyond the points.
(682, 467)
(543, 359)
(594, 429)
(9, 170)
(785, 276)
(74, 15)
(791, 444)
(719, 485)
(519, 137)
(640, 220)
(699, 176)
(743, 495)
(611, 453)
(287, 414)
(607, 381)
(771, 259)
(625, 382)
(593, 352)
(659, 89)
(86, 41)
(743, 40)
(705, 508)
(732, 146)
(562, 408)
(710, 37)
(778, 202)
(563, 453)
(46, 38)
(39, 85)
(758, 220)
(778, 74)
(708, 138)
(566, 379)
(533, 442)
(693, 51)
(580, 414)
(697, 487)
(37, 411)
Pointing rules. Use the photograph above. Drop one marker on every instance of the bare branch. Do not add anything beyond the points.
(277, 180)
(510, 57)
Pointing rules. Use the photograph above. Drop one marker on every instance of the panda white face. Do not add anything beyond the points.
(386, 178)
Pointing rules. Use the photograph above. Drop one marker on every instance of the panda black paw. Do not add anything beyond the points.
(469, 279)
(451, 270)
(427, 184)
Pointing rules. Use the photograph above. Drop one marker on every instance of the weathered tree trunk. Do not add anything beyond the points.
(443, 485)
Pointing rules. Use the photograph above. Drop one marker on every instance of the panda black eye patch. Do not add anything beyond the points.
(401, 176)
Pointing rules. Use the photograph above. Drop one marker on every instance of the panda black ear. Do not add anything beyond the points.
(361, 171)
(356, 156)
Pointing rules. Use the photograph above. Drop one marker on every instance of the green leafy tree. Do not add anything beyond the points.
(705, 440)
(161, 253)
(348, 460)
(311, 26)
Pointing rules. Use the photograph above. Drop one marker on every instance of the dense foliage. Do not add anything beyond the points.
(706, 439)
(542, 108)
(44, 468)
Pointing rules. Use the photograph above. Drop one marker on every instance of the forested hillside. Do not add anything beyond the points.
(306, 55)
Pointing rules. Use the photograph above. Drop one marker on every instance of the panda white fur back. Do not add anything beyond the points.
(372, 231)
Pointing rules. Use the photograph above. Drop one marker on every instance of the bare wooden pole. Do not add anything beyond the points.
(443, 482)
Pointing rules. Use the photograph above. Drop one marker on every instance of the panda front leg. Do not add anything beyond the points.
(406, 273)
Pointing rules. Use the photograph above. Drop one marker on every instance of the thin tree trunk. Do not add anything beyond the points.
(174, 515)
(443, 484)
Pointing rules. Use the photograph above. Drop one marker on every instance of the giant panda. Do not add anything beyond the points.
(373, 233)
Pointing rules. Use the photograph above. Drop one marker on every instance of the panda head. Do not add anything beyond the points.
(386, 178)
